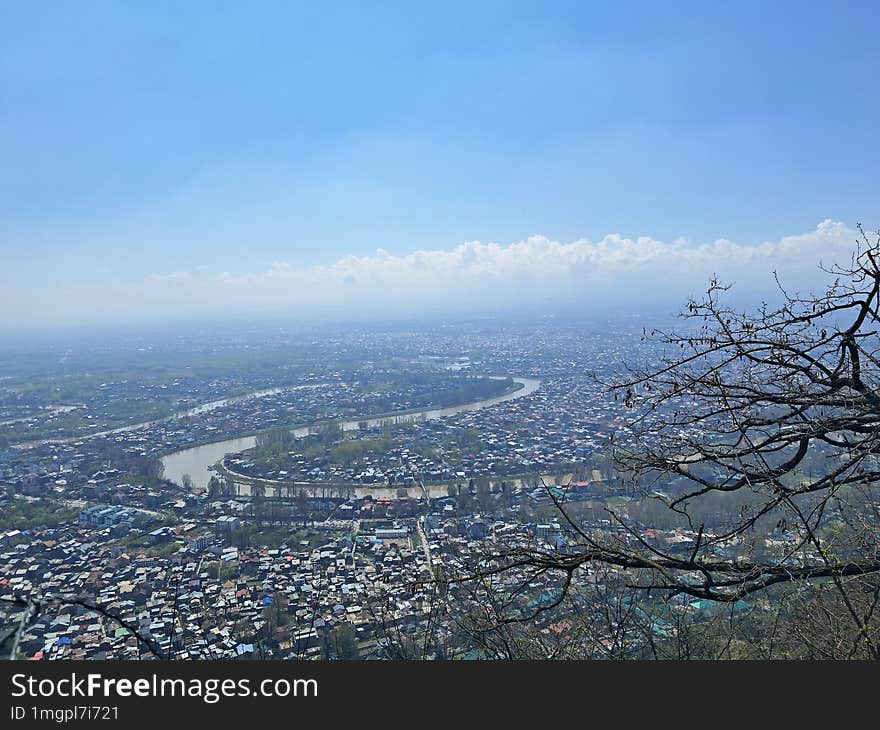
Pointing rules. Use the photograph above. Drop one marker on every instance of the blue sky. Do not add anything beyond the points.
(140, 142)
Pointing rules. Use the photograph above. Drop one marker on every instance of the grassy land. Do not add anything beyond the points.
(22, 514)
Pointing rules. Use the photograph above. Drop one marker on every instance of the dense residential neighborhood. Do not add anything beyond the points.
(328, 541)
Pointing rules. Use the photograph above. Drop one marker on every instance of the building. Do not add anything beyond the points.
(200, 543)
(105, 515)
(227, 523)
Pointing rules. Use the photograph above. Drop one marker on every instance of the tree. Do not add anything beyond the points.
(186, 482)
(153, 467)
(329, 433)
(465, 500)
(759, 435)
(227, 487)
(344, 642)
(275, 439)
(778, 411)
(214, 487)
(301, 506)
(484, 494)
(259, 505)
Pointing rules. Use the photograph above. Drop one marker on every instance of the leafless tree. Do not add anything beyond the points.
(756, 435)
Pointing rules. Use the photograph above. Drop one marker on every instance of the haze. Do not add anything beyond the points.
(220, 160)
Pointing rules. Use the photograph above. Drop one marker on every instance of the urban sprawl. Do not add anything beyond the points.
(415, 454)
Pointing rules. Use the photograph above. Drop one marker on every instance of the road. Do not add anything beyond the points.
(424, 538)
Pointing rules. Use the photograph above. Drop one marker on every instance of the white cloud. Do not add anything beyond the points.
(173, 277)
(473, 277)
(539, 260)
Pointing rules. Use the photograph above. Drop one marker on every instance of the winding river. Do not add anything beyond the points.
(204, 408)
(197, 460)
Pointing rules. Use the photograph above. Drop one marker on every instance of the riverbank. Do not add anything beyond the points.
(197, 459)
(277, 489)
(193, 411)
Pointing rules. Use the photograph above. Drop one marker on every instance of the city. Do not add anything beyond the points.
(392, 347)
(326, 534)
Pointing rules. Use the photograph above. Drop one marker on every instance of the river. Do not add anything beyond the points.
(197, 460)
(195, 411)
